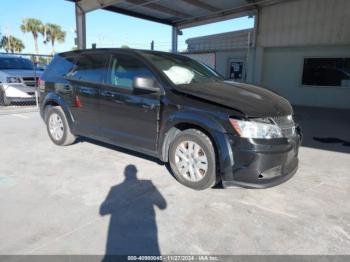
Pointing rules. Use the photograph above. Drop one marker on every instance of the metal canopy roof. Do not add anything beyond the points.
(178, 13)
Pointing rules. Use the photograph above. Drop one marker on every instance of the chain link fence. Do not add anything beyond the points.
(19, 77)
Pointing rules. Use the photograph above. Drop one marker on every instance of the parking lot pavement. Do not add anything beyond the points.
(88, 198)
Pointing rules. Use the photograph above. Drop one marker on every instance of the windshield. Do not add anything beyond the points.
(15, 63)
(182, 70)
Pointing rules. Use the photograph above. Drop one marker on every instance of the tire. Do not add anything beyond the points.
(65, 136)
(188, 169)
(4, 101)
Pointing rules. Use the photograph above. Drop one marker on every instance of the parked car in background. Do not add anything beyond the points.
(39, 66)
(173, 108)
(18, 79)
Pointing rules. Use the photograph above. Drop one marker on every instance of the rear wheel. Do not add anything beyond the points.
(57, 127)
(192, 159)
(4, 101)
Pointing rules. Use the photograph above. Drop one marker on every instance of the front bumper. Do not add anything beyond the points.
(260, 163)
(22, 99)
(19, 92)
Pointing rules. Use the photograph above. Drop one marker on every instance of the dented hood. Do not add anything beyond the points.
(251, 100)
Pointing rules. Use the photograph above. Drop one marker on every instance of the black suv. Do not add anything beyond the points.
(173, 108)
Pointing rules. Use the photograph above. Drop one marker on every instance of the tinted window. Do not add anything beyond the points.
(90, 67)
(16, 63)
(124, 69)
(59, 66)
(326, 72)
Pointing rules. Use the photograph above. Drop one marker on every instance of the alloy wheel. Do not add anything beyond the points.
(56, 126)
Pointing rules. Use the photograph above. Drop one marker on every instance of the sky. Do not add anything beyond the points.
(104, 28)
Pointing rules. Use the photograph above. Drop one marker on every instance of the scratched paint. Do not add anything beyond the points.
(6, 181)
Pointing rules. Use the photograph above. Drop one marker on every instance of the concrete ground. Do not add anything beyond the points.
(14, 109)
(76, 200)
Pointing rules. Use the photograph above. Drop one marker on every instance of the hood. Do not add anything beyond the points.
(251, 100)
(19, 72)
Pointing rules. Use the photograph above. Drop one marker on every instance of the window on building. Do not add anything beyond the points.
(326, 72)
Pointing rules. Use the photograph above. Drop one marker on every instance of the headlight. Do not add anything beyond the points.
(254, 129)
(13, 79)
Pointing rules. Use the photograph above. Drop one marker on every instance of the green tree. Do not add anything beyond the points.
(18, 46)
(34, 26)
(43, 32)
(11, 44)
(54, 33)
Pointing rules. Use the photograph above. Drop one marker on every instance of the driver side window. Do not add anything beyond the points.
(124, 69)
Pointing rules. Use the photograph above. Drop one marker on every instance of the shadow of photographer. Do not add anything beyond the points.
(131, 206)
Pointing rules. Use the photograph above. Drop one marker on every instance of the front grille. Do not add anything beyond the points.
(287, 125)
(30, 81)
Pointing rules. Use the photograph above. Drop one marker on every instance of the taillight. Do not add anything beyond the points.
(41, 84)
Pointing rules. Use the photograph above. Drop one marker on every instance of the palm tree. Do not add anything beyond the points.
(5, 43)
(18, 46)
(11, 44)
(54, 33)
(43, 32)
(34, 26)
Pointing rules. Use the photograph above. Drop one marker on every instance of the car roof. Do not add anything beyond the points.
(2, 55)
(119, 50)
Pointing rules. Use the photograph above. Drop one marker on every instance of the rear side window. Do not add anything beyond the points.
(59, 66)
(124, 69)
(90, 68)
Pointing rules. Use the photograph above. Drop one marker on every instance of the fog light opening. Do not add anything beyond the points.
(271, 173)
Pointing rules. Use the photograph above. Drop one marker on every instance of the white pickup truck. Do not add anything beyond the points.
(18, 79)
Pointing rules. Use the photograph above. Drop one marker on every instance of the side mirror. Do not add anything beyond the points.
(146, 83)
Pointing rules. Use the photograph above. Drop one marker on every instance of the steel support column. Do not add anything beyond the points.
(174, 39)
(80, 26)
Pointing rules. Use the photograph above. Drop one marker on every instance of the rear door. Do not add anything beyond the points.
(86, 78)
(54, 78)
(129, 117)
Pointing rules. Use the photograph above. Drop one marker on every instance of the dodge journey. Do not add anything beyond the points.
(173, 108)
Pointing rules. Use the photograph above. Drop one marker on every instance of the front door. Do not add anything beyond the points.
(127, 117)
(86, 78)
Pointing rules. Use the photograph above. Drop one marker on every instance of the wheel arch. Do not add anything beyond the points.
(208, 126)
(53, 99)
(175, 129)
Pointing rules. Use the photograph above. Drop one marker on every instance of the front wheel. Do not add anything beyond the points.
(57, 127)
(192, 159)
